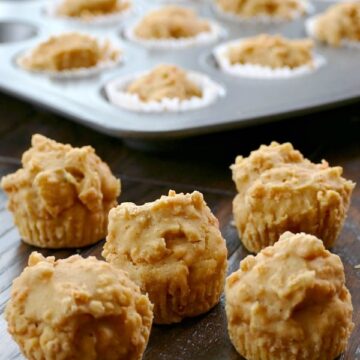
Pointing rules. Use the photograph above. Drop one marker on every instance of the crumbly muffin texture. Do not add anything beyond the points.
(174, 250)
(68, 51)
(62, 195)
(284, 9)
(272, 51)
(77, 309)
(165, 81)
(171, 22)
(280, 190)
(289, 302)
(340, 22)
(91, 8)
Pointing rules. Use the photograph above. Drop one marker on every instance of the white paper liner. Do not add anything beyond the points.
(258, 71)
(310, 25)
(109, 19)
(78, 72)
(216, 32)
(263, 19)
(117, 95)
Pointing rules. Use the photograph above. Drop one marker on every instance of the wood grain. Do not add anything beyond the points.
(202, 164)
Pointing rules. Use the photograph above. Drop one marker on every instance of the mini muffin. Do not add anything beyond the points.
(77, 309)
(272, 51)
(174, 250)
(340, 22)
(279, 9)
(280, 190)
(289, 302)
(69, 51)
(62, 195)
(91, 8)
(165, 81)
(171, 22)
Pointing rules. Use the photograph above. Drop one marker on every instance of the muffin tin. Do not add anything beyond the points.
(248, 101)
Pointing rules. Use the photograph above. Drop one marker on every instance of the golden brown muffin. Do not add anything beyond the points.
(62, 195)
(171, 22)
(77, 309)
(280, 190)
(340, 22)
(91, 8)
(272, 51)
(68, 52)
(174, 250)
(289, 302)
(283, 9)
(165, 81)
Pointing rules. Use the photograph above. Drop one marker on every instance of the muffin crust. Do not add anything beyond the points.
(280, 190)
(77, 309)
(62, 195)
(289, 302)
(174, 250)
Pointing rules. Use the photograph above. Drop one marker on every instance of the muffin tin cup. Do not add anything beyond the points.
(14, 31)
(262, 72)
(117, 94)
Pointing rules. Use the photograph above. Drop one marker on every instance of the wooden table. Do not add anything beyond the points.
(202, 164)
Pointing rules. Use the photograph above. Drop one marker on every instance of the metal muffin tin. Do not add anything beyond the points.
(248, 101)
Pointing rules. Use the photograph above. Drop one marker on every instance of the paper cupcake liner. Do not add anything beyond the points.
(262, 19)
(216, 32)
(107, 63)
(116, 92)
(77, 227)
(324, 221)
(172, 302)
(258, 71)
(109, 19)
(310, 25)
(244, 343)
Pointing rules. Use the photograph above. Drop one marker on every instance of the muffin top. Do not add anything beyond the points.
(171, 22)
(165, 81)
(68, 51)
(55, 177)
(283, 169)
(284, 9)
(272, 51)
(293, 290)
(90, 8)
(340, 22)
(79, 307)
(71, 287)
(174, 232)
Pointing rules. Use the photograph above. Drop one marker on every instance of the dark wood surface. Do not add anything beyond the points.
(201, 164)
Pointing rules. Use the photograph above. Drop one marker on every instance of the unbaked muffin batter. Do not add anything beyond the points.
(272, 51)
(339, 22)
(91, 8)
(165, 81)
(171, 22)
(283, 9)
(68, 52)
